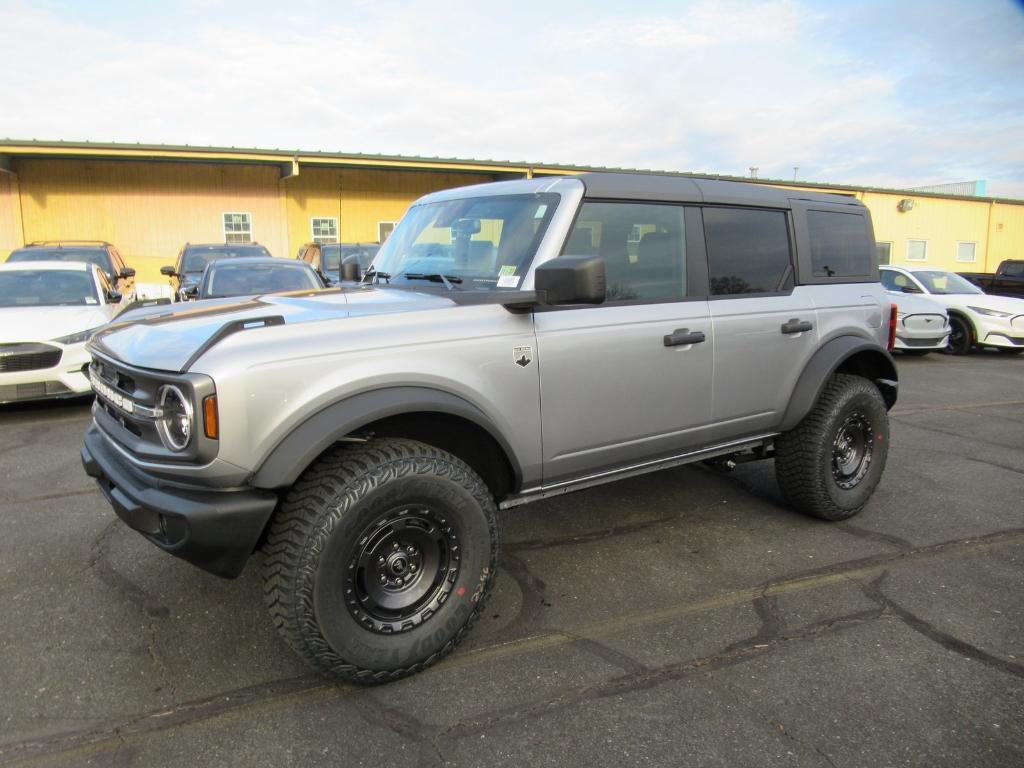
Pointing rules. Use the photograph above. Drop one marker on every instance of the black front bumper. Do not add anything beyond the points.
(214, 530)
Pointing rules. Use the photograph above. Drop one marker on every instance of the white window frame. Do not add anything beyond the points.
(923, 258)
(323, 239)
(224, 226)
(884, 242)
(393, 225)
(974, 252)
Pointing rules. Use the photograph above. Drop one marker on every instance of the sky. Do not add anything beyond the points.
(891, 94)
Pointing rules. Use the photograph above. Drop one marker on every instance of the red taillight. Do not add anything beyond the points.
(892, 327)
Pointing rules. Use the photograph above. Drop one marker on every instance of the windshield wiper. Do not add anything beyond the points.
(435, 277)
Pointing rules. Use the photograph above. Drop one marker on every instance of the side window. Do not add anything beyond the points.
(888, 279)
(839, 244)
(748, 251)
(643, 247)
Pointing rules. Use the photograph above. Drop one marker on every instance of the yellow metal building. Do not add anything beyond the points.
(150, 200)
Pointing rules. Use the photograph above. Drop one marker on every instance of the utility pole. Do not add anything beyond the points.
(753, 171)
(796, 169)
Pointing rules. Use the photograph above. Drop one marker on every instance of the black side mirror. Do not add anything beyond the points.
(350, 268)
(126, 272)
(169, 271)
(113, 297)
(571, 280)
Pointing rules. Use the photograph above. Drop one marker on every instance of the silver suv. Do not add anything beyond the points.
(510, 342)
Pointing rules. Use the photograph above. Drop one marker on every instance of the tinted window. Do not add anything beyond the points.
(748, 250)
(643, 247)
(97, 256)
(196, 259)
(839, 246)
(245, 279)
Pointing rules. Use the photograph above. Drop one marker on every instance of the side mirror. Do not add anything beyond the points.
(571, 280)
(350, 268)
(169, 271)
(113, 297)
(126, 272)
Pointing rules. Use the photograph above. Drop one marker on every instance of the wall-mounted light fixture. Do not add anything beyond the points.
(905, 205)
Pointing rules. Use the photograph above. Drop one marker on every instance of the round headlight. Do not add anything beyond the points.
(175, 426)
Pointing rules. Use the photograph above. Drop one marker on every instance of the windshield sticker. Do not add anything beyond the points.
(508, 281)
(507, 270)
(541, 210)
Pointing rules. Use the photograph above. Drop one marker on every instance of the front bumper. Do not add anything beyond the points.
(65, 379)
(214, 530)
(999, 331)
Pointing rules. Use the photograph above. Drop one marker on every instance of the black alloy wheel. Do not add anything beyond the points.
(960, 337)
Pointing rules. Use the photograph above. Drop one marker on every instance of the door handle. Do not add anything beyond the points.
(681, 336)
(795, 325)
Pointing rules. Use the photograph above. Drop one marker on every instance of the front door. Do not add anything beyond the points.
(629, 380)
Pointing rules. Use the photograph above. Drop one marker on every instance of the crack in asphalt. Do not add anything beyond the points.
(875, 536)
(99, 561)
(48, 496)
(873, 591)
(770, 635)
(960, 435)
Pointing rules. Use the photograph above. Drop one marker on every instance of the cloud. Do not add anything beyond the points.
(703, 86)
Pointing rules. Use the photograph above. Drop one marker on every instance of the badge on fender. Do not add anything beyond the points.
(523, 356)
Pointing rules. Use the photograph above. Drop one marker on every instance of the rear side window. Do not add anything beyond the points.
(839, 246)
(748, 251)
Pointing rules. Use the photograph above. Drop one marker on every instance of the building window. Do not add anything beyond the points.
(384, 230)
(883, 253)
(965, 251)
(237, 228)
(917, 250)
(325, 230)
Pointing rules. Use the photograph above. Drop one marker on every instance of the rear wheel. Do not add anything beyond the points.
(380, 559)
(830, 463)
(961, 336)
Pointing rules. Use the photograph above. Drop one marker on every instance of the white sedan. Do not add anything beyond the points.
(975, 317)
(48, 310)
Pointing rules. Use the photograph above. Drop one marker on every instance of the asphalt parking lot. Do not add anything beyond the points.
(683, 618)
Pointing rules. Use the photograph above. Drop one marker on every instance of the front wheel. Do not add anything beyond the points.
(961, 336)
(830, 463)
(380, 559)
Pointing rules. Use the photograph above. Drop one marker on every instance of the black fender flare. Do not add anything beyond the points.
(282, 467)
(825, 362)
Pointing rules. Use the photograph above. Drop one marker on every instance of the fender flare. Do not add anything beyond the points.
(288, 459)
(825, 362)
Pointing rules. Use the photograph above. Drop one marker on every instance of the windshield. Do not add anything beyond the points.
(97, 256)
(484, 242)
(196, 259)
(247, 279)
(331, 255)
(943, 283)
(47, 288)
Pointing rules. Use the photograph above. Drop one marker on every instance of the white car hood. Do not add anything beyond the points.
(983, 300)
(916, 304)
(18, 324)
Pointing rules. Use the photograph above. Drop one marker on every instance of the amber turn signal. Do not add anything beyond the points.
(210, 426)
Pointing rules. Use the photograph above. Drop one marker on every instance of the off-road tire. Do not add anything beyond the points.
(805, 460)
(319, 529)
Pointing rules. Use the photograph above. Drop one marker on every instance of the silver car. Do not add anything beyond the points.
(510, 342)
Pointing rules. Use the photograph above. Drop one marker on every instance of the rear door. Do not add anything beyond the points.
(628, 380)
(765, 328)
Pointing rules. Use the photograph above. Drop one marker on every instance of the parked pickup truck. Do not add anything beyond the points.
(1007, 281)
(510, 342)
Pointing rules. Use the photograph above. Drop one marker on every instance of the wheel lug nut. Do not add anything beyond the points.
(380, 559)
(394, 545)
(383, 579)
(411, 550)
(412, 567)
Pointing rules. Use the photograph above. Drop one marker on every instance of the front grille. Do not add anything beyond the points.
(922, 342)
(28, 357)
(12, 393)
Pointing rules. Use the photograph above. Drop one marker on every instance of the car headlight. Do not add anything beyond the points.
(989, 312)
(175, 425)
(78, 338)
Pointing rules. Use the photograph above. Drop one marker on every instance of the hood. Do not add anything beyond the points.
(984, 300)
(18, 324)
(915, 303)
(171, 337)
